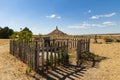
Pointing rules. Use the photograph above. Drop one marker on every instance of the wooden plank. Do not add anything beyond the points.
(58, 53)
(64, 47)
(51, 56)
(43, 56)
(55, 55)
(47, 55)
(36, 54)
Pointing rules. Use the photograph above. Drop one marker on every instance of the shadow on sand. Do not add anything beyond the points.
(70, 72)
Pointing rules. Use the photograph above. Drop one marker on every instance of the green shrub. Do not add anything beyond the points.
(50, 62)
(23, 36)
(28, 70)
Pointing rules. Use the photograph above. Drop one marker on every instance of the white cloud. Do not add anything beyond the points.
(58, 17)
(53, 16)
(86, 25)
(83, 25)
(102, 16)
(95, 17)
(109, 23)
(89, 11)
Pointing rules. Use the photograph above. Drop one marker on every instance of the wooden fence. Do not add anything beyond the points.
(72, 43)
(83, 47)
(39, 57)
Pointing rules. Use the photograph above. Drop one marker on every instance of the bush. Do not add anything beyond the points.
(108, 39)
(117, 40)
(28, 70)
(22, 36)
(5, 32)
(50, 61)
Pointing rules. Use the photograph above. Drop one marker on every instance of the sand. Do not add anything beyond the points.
(108, 69)
(10, 67)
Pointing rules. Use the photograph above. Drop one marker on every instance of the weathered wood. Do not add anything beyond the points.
(82, 48)
(43, 56)
(30, 52)
(47, 55)
(55, 55)
(36, 56)
(58, 53)
(95, 38)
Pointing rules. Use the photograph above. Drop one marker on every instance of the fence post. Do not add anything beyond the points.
(10, 46)
(75, 43)
(95, 38)
(88, 45)
(47, 55)
(78, 52)
(43, 55)
(67, 43)
(79, 49)
(55, 47)
(36, 56)
(58, 53)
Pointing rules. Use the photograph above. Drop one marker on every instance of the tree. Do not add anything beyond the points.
(5, 32)
(27, 29)
(0, 28)
(25, 36)
(14, 35)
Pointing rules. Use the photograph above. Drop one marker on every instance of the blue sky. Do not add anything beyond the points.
(71, 16)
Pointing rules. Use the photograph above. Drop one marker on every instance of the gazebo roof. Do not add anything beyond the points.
(57, 32)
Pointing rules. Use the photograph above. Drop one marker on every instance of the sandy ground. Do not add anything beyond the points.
(10, 67)
(108, 69)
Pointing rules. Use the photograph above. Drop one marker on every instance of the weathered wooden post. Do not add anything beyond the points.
(47, 55)
(11, 46)
(95, 38)
(79, 49)
(64, 53)
(77, 58)
(75, 43)
(55, 59)
(36, 56)
(88, 45)
(67, 51)
(58, 53)
(43, 47)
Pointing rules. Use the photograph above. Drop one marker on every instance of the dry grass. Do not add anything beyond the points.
(4, 41)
